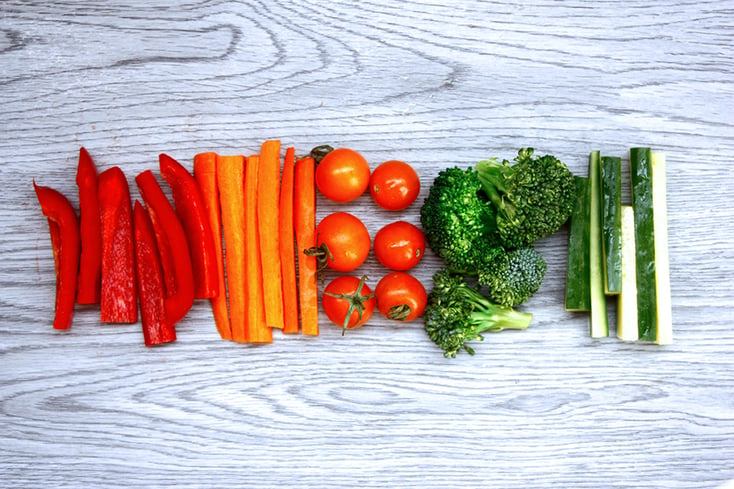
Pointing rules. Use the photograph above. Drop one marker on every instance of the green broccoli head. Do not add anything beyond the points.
(513, 276)
(533, 197)
(457, 314)
(458, 221)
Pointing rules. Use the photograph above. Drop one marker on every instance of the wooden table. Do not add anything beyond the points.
(379, 407)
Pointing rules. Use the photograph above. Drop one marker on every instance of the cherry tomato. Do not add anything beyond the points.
(394, 185)
(348, 301)
(399, 245)
(400, 296)
(343, 240)
(342, 175)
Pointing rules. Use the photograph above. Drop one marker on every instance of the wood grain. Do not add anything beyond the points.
(433, 85)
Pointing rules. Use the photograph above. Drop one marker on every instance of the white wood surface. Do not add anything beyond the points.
(380, 407)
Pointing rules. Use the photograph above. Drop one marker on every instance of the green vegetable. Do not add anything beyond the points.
(578, 273)
(533, 197)
(457, 314)
(627, 298)
(611, 222)
(642, 201)
(664, 330)
(512, 276)
(599, 322)
(457, 220)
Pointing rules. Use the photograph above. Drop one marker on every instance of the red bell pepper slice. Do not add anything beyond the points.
(64, 229)
(118, 295)
(173, 248)
(90, 265)
(192, 212)
(151, 289)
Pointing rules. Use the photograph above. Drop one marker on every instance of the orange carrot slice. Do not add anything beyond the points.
(230, 179)
(268, 194)
(256, 329)
(287, 244)
(205, 173)
(304, 216)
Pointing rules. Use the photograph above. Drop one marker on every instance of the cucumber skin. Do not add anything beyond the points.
(598, 320)
(611, 194)
(578, 296)
(641, 181)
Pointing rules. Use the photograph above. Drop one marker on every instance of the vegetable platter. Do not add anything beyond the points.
(561, 402)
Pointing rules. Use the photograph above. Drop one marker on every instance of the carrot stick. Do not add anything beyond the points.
(287, 244)
(268, 192)
(230, 179)
(205, 173)
(256, 329)
(304, 216)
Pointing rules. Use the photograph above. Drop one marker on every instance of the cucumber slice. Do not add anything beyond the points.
(664, 331)
(627, 298)
(578, 275)
(642, 201)
(599, 322)
(611, 222)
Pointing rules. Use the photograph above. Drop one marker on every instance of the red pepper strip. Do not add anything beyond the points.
(192, 212)
(118, 294)
(64, 228)
(172, 247)
(151, 289)
(90, 265)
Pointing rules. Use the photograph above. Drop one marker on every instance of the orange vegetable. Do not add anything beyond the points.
(205, 173)
(287, 244)
(304, 216)
(230, 179)
(268, 216)
(256, 329)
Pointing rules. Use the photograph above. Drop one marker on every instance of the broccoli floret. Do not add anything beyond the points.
(456, 314)
(513, 276)
(533, 197)
(458, 221)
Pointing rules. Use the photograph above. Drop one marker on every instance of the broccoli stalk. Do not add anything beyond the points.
(532, 198)
(457, 314)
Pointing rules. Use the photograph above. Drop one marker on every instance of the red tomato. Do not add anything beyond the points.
(400, 296)
(394, 185)
(399, 245)
(345, 241)
(348, 302)
(342, 175)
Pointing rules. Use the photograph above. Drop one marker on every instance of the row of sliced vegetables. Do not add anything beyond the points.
(242, 233)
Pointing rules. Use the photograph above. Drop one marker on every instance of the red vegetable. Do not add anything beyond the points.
(64, 229)
(118, 297)
(400, 297)
(192, 212)
(343, 241)
(342, 175)
(348, 301)
(394, 185)
(90, 264)
(151, 289)
(399, 245)
(173, 248)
